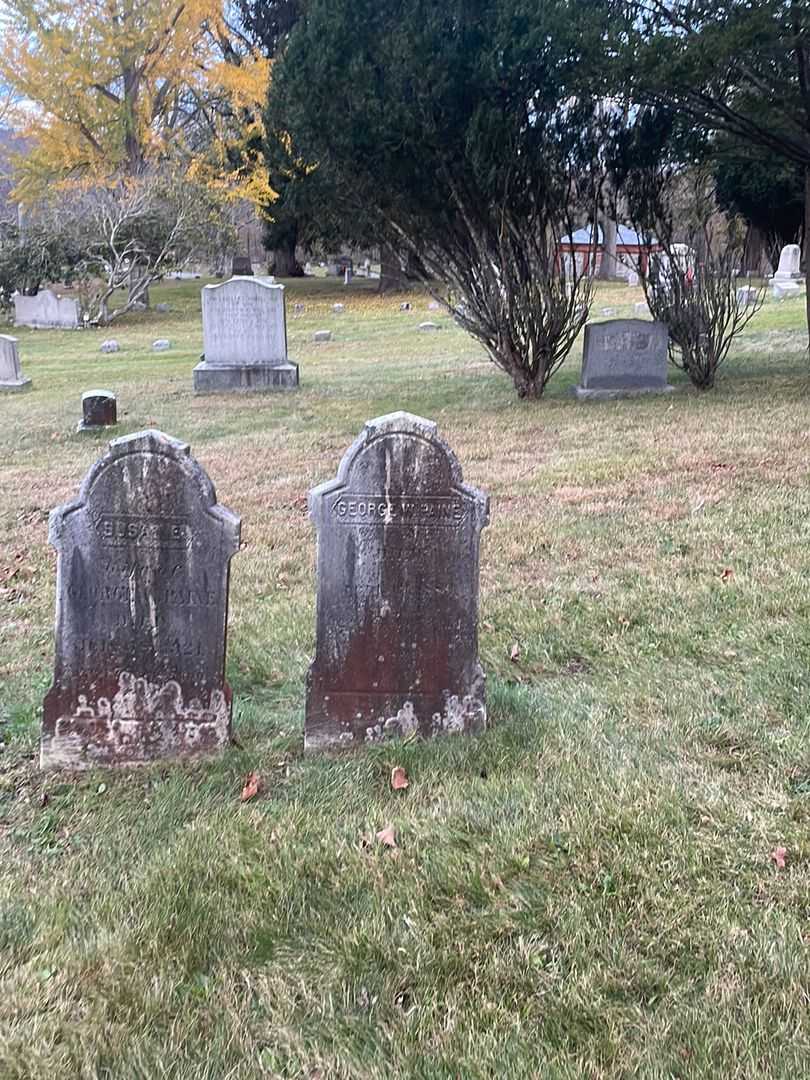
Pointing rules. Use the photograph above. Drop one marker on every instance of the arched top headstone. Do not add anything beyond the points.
(398, 550)
(142, 587)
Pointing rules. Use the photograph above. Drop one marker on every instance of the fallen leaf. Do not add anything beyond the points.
(727, 573)
(514, 653)
(253, 785)
(386, 836)
(399, 778)
(778, 856)
(101, 789)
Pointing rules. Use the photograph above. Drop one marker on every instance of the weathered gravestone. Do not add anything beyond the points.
(11, 376)
(141, 611)
(99, 410)
(624, 357)
(46, 311)
(241, 266)
(397, 612)
(789, 260)
(244, 338)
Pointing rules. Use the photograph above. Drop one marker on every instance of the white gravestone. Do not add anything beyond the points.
(11, 377)
(789, 258)
(46, 311)
(244, 338)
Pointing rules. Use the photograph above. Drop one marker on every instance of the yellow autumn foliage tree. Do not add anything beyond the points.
(113, 87)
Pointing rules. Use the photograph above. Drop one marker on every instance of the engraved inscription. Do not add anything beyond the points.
(121, 530)
(627, 340)
(439, 510)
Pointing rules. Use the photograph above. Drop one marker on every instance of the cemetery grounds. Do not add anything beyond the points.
(613, 881)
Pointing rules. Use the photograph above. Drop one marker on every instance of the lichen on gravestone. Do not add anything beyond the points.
(397, 592)
(141, 611)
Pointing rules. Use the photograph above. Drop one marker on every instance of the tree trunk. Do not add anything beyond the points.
(392, 278)
(284, 262)
(608, 268)
(755, 245)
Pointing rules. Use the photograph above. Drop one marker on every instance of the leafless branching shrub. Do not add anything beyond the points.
(693, 283)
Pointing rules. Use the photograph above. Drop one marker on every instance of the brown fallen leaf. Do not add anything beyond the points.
(386, 836)
(514, 653)
(727, 573)
(778, 855)
(399, 778)
(253, 785)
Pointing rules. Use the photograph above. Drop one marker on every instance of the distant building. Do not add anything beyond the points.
(632, 254)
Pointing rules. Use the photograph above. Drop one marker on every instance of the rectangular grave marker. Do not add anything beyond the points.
(141, 611)
(46, 311)
(244, 338)
(623, 357)
(397, 612)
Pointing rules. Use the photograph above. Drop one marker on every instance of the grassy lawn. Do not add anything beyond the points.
(588, 890)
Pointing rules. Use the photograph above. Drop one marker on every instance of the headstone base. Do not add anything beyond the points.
(244, 378)
(605, 394)
(89, 744)
(15, 386)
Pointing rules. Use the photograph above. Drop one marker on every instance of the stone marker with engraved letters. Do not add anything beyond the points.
(622, 358)
(789, 263)
(141, 611)
(397, 611)
(11, 376)
(244, 338)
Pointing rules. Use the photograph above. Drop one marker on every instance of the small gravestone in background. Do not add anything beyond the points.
(789, 261)
(11, 376)
(241, 266)
(322, 335)
(99, 410)
(46, 311)
(397, 614)
(623, 358)
(426, 327)
(162, 309)
(244, 338)
(338, 308)
(141, 611)
(161, 345)
(109, 346)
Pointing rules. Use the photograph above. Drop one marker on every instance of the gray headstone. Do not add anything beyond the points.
(746, 296)
(99, 410)
(11, 376)
(397, 624)
(141, 611)
(322, 335)
(46, 310)
(162, 309)
(299, 309)
(789, 262)
(624, 357)
(109, 346)
(161, 345)
(244, 338)
(427, 326)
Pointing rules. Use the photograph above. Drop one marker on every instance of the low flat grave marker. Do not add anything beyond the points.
(622, 358)
(397, 610)
(12, 379)
(244, 338)
(141, 611)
